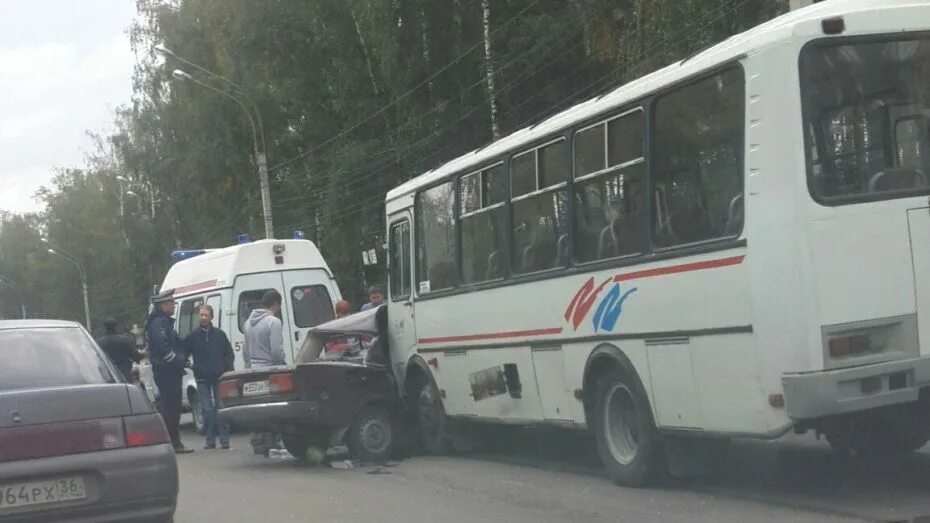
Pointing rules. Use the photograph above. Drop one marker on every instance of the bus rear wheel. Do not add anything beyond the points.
(432, 424)
(627, 440)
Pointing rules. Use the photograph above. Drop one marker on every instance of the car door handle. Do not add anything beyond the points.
(296, 335)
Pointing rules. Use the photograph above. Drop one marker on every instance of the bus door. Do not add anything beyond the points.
(402, 336)
(310, 297)
(247, 296)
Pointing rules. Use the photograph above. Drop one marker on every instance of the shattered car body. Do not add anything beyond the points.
(339, 390)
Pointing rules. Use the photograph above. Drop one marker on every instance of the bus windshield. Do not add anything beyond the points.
(867, 118)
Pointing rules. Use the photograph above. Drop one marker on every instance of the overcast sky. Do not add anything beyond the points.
(65, 65)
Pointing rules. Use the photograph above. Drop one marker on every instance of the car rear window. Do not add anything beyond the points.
(49, 357)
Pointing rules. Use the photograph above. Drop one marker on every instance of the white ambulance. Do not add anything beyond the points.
(233, 279)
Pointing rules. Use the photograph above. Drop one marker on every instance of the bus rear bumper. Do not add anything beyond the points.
(842, 391)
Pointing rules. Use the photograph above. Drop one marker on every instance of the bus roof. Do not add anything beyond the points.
(218, 268)
(801, 21)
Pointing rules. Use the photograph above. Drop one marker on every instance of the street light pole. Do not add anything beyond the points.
(258, 133)
(63, 254)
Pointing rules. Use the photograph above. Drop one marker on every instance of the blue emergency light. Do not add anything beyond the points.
(298, 235)
(177, 256)
(243, 238)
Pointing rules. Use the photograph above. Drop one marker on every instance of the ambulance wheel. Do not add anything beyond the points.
(625, 433)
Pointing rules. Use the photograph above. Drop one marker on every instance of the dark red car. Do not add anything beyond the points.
(339, 390)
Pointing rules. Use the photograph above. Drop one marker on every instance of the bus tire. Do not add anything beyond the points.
(625, 432)
(431, 422)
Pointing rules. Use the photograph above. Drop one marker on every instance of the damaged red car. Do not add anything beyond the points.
(339, 391)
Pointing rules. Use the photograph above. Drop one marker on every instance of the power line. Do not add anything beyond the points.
(354, 180)
(402, 96)
(721, 12)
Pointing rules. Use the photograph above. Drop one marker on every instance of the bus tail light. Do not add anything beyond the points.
(278, 383)
(858, 344)
(229, 389)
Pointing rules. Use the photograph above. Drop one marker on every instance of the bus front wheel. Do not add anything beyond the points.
(432, 424)
(627, 440)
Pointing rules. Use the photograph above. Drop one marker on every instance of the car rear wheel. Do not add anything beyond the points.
(431, 420)
(627, 440)
(371, 437)
(194, 399)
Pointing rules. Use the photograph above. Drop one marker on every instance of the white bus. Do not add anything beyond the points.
(731, 246)
(233, 280)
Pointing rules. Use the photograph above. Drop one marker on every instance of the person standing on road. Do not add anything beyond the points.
(213, 355)
(375, 298)
(119, 348)
(264, 339)
(168, 363)
(264, 347)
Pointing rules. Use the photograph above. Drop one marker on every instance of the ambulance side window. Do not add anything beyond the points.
(248, 302)
(187, 316)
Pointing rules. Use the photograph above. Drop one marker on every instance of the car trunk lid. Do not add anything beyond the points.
(50, 422)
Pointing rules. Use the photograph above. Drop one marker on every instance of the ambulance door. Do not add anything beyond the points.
(247, 296)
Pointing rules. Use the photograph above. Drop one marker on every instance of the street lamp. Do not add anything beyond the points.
(19, 292)
(63, 254)
(258, 132)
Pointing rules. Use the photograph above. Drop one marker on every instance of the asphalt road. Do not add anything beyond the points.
(530, 477)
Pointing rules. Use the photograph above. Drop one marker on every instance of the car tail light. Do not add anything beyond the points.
(278, 383)
(57, 439)
(145, 429)
(229, 389)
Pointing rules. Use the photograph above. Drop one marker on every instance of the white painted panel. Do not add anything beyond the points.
(673, 390)
(919, 222)
(554, 395)
(862, 265)
(453, 375)
(729, 383)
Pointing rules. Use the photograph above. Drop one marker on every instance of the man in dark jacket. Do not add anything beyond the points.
(213, 355)
(119, 348)
(168, 364)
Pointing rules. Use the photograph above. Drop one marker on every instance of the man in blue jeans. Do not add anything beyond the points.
(213, 355)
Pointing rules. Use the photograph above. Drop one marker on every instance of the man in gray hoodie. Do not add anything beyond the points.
(264, 347)
(264, 339)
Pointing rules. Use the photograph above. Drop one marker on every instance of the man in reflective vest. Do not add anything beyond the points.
(168, 364)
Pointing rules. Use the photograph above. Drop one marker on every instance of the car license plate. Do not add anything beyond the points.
(13, 495)
(255, 388)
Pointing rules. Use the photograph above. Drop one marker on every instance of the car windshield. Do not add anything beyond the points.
(50, 357)
(867, 118)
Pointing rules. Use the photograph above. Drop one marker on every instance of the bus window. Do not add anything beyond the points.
(854, 94)
(482, 220)
(435, 238)
(311, 305)
(540, 239)
(608, 202)
(699, 135)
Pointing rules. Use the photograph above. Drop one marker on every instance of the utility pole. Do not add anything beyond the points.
(238, 95)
